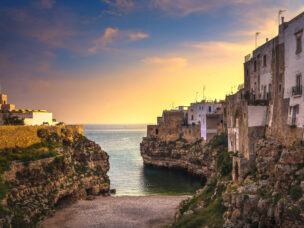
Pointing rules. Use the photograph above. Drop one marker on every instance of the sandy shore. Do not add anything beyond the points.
(117, 212)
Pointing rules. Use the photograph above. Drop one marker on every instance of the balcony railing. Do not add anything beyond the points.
(293, 121)
(296, 90)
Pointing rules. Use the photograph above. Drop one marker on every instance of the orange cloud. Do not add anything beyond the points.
(110, 35)
(138, 36)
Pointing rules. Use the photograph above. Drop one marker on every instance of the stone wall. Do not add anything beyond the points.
(172, 126)
(24, 136)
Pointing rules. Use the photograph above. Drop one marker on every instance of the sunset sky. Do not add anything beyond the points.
(124, 61)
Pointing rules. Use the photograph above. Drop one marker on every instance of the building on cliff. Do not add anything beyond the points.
(200, 120)
(271, 103)
(29, 117)
(172, 125)
(206, 114)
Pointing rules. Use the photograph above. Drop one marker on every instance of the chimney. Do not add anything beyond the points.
(267, 39)
(282, 18)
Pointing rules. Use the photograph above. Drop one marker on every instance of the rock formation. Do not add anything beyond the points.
(271, 194)
(195, 158)
(63, 167)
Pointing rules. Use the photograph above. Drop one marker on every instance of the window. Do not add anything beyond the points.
(156, 131)
(209, 108)
(255, 66)
(299, 80)
(191, 117)
(264, 60)
(280, 88)
(299, 41)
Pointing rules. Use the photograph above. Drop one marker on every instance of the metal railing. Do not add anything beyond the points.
(293, 121)
(296, 90)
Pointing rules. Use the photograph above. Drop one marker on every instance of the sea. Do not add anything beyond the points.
(127, 173)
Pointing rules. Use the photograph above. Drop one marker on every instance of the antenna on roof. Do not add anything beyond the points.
(196, 96)
(279, 15)
(256, 39)
(204, 92)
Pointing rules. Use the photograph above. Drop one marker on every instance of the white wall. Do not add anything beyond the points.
(200, 110)
(36, 118)
(294, 65)
(233, 136)
(257, 116)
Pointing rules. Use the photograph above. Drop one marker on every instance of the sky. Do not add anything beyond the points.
(124, 61)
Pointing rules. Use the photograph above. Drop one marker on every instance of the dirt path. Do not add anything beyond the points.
(117, 212)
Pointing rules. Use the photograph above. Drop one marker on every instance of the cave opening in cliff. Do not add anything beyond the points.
(64, 201)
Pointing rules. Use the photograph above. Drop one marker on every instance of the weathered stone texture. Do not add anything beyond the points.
(36, 188)
(24, 136)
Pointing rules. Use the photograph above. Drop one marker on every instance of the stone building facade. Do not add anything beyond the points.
(172, 125)
(4, 106)
(271, 103)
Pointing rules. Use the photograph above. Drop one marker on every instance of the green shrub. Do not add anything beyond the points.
(296, 192)
(294, 212)
(219, 140)
(13, 120)
(224, 163)
(3, 190)
(211, 216)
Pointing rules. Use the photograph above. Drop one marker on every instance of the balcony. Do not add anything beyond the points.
(296, 90)
(292, 121)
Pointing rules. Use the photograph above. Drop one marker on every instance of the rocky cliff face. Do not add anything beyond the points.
(270, 196)
(195, 158)
(272, 193)
(64, 167)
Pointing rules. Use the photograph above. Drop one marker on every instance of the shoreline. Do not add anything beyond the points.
(117, 211)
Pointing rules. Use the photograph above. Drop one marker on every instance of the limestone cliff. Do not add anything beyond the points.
(270, 196)
(195, 158)
(64, 166)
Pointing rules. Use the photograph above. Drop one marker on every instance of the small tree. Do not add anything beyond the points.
(13, 120)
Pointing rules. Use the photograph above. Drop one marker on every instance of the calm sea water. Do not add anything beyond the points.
(127, 173)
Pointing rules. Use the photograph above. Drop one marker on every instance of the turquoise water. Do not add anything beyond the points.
(127, 173)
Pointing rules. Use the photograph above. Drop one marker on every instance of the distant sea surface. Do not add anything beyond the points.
(127, 173)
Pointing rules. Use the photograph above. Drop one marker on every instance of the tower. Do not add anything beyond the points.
(3, 99)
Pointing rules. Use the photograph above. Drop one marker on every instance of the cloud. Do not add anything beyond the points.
(112, 35)
(176, 62)
(47, 4)
(138, 36)
(186, 7)
(103, 41)
(120, 5)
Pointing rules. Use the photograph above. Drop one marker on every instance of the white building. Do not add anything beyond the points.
(30, 117)
(197, 114)
(291, 34)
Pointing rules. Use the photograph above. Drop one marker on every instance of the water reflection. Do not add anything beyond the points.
(169, 182)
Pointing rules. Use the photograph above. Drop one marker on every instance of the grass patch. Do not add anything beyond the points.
(219, 140)
(296, 192)
(211, 216)
(224, 163)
